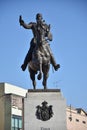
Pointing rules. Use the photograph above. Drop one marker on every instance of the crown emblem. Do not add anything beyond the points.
(44, 112)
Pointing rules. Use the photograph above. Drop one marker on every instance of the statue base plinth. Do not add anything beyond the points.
(44, 110)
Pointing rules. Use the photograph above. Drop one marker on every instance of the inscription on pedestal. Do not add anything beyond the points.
(45, 128)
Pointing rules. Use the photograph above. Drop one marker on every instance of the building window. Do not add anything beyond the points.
(77, 120)
(70, 118)
(16, 122)
(83, 122)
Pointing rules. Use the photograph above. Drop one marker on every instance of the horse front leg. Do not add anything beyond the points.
(40, 67)
(32, 76)
(40, 72)
(45, 75)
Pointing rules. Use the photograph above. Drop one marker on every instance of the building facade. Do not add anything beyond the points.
(76, 119)
(11, 108)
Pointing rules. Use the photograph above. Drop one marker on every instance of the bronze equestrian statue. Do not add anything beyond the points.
(39, 56)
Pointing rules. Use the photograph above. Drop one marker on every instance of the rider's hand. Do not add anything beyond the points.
(20, 20)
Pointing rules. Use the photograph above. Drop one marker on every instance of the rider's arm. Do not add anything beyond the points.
(27, 26)
(22, 23)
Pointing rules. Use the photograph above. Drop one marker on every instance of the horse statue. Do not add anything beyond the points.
(40, 63)
(39, 56)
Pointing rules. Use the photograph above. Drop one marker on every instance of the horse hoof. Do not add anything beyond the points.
(39, 76)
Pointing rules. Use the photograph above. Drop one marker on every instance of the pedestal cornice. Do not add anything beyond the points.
(44, 90)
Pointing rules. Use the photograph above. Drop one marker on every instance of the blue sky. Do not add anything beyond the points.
(68, 21)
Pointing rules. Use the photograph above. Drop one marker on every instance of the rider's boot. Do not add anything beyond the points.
(26, 61)
(56, 67)
(53, 62)
(23, 66)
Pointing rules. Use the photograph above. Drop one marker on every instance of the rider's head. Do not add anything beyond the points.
(39, 17)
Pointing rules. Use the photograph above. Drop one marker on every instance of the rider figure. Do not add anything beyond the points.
(36, 28)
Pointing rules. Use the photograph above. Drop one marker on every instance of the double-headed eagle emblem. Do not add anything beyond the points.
(44, 112)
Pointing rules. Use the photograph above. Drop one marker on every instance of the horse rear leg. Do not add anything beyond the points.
(45, 77)
(34, 84)
(32, 76)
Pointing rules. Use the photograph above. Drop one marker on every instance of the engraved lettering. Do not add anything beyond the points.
(45, 128)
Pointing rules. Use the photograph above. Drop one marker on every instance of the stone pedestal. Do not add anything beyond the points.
(44, 110)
